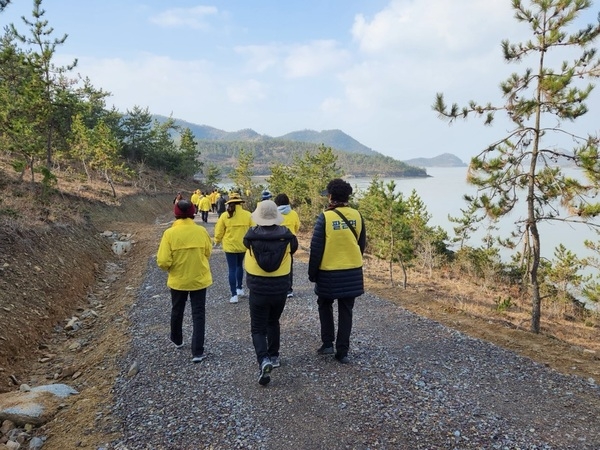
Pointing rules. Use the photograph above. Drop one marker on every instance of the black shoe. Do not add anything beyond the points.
(264, 377)
(343, 359)
(325, 349)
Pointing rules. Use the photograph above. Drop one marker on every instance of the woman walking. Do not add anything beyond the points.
(230, 230)
(291, 220)
(184, 252)
(268, 263)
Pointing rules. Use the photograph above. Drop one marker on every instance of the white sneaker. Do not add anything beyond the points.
(197, 359)
(240, 292)
(233, 299)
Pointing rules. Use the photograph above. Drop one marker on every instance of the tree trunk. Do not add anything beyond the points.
(112, 186)
(535, 287)
(405, 283)
(49, 147)
(31, 169)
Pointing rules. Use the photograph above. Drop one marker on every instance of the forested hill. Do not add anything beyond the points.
(221, 148)
(332, 138)
(268, 152)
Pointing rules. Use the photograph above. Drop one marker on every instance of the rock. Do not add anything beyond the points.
(133, 370)
(75, 346)
(73, 324)
(12, 445)
(121, 247)
(36, 443)
(35, 407)
(7, 425)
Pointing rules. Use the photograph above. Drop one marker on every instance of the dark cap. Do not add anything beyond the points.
(184, 210)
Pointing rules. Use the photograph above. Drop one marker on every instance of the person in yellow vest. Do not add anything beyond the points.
(335, 266)
(230, 229)
(195, 198)
(213, 200)
(184, 252)
(268, 262)
(291, 220)
(204, 207)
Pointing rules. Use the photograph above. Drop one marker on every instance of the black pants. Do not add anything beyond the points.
(198, 303)
(345, 305)
(265, 311)
(291, 273)
(204, 216)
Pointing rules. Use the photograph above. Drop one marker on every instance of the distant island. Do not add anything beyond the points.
(443, 160)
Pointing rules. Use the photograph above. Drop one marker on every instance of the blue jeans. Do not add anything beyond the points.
(235, 263)
(265, 311)
(198, 303)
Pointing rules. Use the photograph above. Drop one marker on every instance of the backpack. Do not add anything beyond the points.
(269, 254)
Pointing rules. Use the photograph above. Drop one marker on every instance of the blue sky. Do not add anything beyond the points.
(370, 68)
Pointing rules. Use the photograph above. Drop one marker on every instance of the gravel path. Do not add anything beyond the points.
(412, 383)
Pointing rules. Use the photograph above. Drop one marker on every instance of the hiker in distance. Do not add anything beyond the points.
(204, 207)
(221, 206)
(335, 266)
(178, 197)
(266, 195)
(230, 229)
(268, 264)
(184, 252)
(291, 220)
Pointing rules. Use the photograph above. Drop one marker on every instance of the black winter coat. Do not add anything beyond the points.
(333, 284)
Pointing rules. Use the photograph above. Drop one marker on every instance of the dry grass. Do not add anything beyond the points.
(566, 343)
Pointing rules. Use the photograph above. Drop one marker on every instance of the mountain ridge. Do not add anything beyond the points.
(214, 143)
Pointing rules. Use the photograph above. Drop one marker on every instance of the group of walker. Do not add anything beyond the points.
(205, 203)
(263, 243)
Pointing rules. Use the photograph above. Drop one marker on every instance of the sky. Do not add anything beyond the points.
(370, 68)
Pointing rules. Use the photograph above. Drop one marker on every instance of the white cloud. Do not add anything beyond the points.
(185, 17)
(315, 58)
(246, 91)
(259, 58)
(331, 105)
(162, 84)
(438, 27)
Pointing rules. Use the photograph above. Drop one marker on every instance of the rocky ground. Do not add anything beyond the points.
(50, 273)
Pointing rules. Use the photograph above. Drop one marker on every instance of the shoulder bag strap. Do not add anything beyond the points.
(347, 222)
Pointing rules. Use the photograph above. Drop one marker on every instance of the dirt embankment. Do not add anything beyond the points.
(47, 271)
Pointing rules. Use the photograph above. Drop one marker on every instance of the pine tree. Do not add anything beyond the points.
(520, 167)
